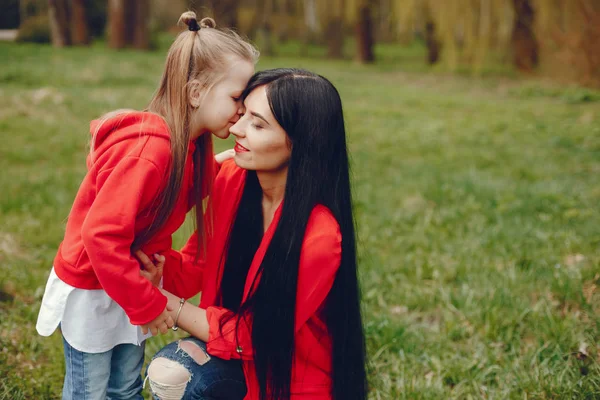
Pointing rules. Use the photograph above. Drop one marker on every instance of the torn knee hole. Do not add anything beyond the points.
(196, 352)
(167, 372)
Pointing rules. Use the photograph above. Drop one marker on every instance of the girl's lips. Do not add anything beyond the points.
(239, 148)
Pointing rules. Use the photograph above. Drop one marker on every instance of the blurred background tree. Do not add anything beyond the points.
(555, 38)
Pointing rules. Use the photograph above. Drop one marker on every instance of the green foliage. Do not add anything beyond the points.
(35, 30)
(476, 202)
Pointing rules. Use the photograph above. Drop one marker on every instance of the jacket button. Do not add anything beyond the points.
(239, 349)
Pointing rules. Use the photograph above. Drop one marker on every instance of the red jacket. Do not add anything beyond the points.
(128, 171)
(319, 261)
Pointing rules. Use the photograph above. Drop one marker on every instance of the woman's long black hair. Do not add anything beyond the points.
(308, 107)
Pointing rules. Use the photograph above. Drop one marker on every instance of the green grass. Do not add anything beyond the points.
(477, 202)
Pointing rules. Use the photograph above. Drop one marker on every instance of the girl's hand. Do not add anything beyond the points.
(161, 324)
(224, 156)
(153, 272)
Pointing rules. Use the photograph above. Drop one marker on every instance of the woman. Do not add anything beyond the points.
(279, 282)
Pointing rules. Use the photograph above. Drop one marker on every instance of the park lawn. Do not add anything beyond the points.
(477, 203)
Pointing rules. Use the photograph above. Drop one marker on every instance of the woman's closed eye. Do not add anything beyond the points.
(256, 126)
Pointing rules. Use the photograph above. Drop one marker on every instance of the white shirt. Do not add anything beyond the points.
(90, 320)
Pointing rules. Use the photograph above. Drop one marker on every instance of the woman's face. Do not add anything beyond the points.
(261, 144)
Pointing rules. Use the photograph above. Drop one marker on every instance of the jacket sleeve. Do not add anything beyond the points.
(319, 261)
(184, 272)
(109, 230)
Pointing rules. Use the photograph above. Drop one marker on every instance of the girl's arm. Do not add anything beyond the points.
(109, 230)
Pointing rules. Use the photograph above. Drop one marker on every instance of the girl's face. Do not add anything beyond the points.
(219, 108)
(261, 143)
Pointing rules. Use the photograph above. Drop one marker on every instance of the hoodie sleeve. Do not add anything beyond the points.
(109, 230)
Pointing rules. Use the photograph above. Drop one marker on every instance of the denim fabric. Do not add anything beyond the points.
(214, 379)
(114, 374)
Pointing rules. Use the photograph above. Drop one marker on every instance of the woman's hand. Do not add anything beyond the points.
(153, 272)
(224, 156)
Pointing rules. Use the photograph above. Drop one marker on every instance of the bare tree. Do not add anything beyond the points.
(128, 24)
(225, 12)
(79, 26)
(311, 19)
(364, 33)
(116, 24)
(264, 12)
(524, 44)
(433, 44)
(285, 8)
(58, 13)
(141, 35)
(335, 32)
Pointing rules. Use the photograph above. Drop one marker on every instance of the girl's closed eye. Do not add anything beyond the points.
(256, 126)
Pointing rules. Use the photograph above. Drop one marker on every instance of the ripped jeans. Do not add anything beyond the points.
(184, 370)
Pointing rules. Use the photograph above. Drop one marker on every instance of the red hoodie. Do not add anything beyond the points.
(129, 168)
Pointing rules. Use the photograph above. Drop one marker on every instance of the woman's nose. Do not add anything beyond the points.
(236, 129)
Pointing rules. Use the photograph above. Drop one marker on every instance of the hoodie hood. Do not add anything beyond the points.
(129, 125)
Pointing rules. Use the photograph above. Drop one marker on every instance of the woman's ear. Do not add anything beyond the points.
(194, 93)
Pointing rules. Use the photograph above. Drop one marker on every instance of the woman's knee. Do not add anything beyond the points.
(184, 369)
(168, 379)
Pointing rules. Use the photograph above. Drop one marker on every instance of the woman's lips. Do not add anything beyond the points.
(239, 148)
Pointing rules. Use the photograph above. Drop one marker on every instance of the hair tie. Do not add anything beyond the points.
(193, 25)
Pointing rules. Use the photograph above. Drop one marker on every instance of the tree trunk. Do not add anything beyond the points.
(265, 32)
(335, 38)
(384, 22)
(433, 44)
(257, 19)
(284, 29)
(312, 27)
(484, 36)
(524, 43)
(141, 36)
(364, 35)
(334, 32)
(116, 24)
(225, 12)
(58, 14)
(79, 23)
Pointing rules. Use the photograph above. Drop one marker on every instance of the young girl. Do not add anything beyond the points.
(279, 283)
(146, 170)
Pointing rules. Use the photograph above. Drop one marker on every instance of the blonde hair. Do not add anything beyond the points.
(200, 53)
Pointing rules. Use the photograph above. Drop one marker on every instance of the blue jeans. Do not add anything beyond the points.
(114, 374)
(180, 375)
